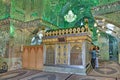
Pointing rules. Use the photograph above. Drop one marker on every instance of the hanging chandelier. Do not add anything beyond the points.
(70, 17)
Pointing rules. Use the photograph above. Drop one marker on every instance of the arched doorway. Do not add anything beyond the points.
(76, 55)
(50, 55)
(113, 49)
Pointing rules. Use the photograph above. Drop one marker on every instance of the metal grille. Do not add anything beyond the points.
(75, 55)
(50, 55)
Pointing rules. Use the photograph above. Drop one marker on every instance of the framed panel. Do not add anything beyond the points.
(50, 54)
(62, 54)
(76, 54)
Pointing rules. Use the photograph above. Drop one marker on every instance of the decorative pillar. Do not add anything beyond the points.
(83, 55)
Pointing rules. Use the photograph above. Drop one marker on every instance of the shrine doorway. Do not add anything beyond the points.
(76, 55)
(50, 55)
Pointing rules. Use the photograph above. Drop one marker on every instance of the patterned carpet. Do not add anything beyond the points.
(17, 74)
(78, 77)
(106, 71)
(47, 76)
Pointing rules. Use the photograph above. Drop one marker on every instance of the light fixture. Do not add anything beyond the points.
(99, 34)
(103, 20)
(95, 24)
(81, 23)
(103, 27)
(97, 31)
(70, 17)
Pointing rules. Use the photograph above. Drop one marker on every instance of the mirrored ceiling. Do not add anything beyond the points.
(52, 12)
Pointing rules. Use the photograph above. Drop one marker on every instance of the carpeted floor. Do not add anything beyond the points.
(106, 71)
(47, 76)
(17, 74)
(78, 77)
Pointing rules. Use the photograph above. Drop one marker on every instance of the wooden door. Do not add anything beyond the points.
(32, 57)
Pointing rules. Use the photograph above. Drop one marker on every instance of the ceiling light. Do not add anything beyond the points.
(103, 27)
(81, 23)
(99, 34)
(95, 24)
(70, 16)
(103, 20)
(97, 31)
